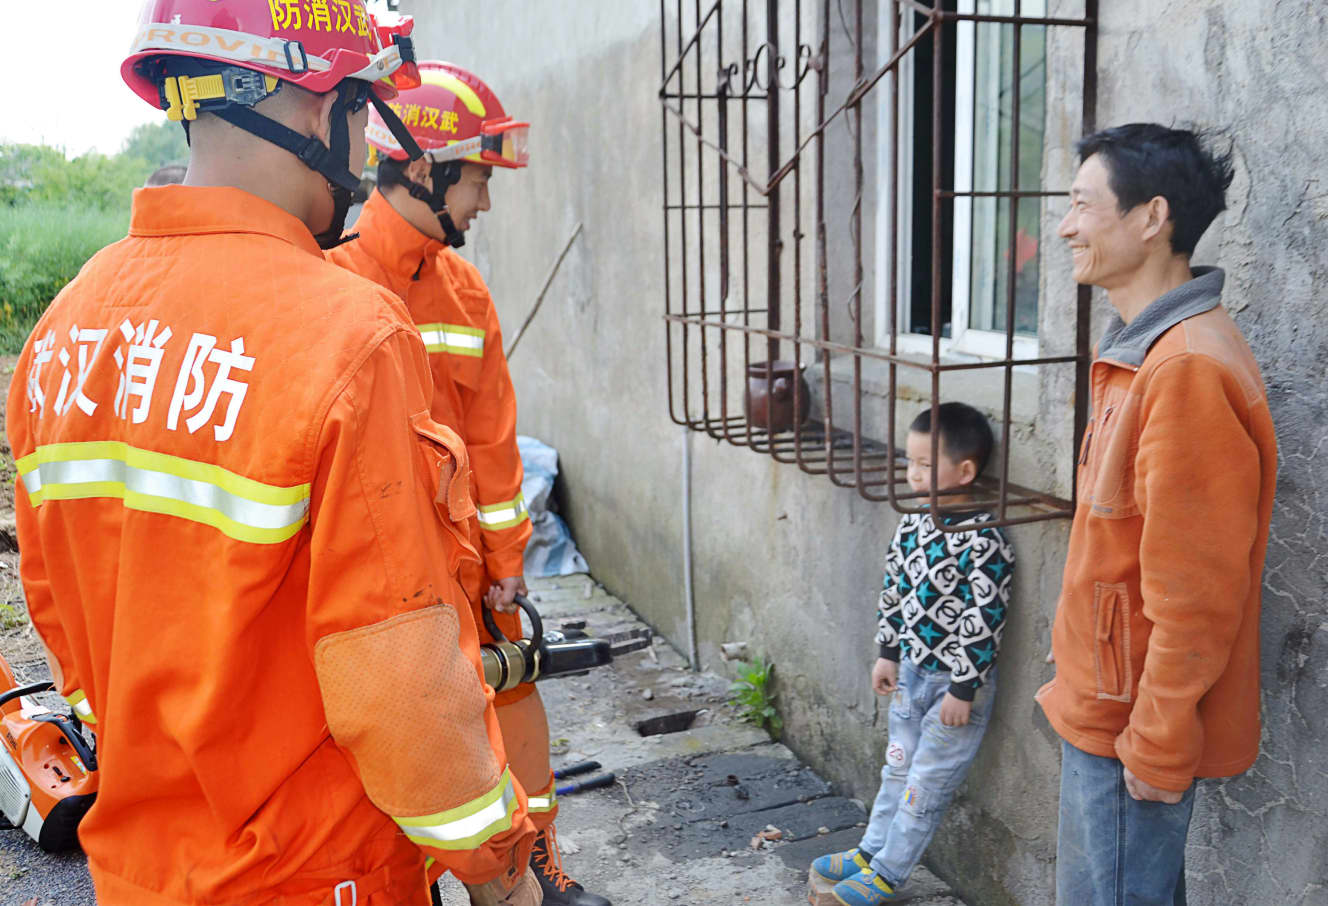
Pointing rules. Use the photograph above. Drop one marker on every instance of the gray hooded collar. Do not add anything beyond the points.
(1129, 343)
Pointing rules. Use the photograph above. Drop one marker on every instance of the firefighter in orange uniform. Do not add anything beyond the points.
(239, 522)
(406, 234)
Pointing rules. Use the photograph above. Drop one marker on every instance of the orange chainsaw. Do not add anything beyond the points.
(48, 771)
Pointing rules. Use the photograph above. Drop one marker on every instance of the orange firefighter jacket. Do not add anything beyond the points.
(237, 524)
(473, 393)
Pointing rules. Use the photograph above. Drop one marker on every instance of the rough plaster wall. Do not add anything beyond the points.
(790, 563)
(784, 561)
(1257, 68)
(589, 370)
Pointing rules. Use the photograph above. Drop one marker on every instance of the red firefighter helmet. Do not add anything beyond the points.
(453, 116)
(314, 44)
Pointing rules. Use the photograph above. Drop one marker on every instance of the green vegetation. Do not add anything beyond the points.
(12, 616)
(56, 212)
(42, 247)
(753, 695)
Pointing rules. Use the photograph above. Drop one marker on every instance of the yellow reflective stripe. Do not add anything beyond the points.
(464, 92)
(239, 507)
(504, 515)
(466, 826)
(544, 800)
(79, 702)
(457, 339)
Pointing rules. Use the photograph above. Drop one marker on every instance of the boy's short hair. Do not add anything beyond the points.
(1145, 160)
(965, 433)
(169, 175)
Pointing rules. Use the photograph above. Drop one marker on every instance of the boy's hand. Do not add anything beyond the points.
(954, 711)
(885, 676)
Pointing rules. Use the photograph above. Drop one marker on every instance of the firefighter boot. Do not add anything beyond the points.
(559, 889)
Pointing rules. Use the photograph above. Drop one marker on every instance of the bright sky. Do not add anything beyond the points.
(64, 77)
(65, 85)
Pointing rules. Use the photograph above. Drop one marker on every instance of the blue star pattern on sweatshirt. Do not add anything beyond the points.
(946, 597)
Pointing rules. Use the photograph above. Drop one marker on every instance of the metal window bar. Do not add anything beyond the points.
(737, 62)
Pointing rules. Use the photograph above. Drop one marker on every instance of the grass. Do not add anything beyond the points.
(753, 695)
(42, 247)
(12, 616)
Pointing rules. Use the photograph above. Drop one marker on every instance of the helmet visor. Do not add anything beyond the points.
(505, 143)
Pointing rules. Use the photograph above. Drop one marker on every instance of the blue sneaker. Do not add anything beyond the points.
(866, 888)
(835, 867)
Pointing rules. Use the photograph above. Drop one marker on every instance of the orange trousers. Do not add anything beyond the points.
(521, 717)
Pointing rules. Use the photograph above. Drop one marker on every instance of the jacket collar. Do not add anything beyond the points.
(389, 239)
(1128, 344)
(201, 210)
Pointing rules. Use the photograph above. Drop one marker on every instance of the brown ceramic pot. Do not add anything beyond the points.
(770, 400)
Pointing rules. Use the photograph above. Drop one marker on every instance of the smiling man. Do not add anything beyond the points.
(1156, 638)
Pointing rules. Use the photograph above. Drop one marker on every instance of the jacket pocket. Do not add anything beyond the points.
(1111, 473)
(1111, 641)
(448, 466)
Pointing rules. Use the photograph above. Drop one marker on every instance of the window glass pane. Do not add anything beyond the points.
(994, 254)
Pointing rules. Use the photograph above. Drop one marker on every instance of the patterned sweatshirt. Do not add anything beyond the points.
(945, 597)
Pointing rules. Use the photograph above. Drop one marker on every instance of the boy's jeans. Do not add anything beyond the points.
(925, 763)
(1112, 850)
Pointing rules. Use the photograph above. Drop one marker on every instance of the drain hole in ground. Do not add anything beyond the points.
(666, 723)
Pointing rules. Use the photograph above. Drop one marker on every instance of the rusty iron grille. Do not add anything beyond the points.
(752, 176)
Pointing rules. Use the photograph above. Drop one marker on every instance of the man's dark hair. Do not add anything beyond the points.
(392, 172)
(965, 433)
(1145, 160)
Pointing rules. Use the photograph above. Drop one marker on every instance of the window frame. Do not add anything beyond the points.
(965, 342)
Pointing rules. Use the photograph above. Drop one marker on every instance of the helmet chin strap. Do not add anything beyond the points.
(331, 161)
(455, 238)
(444, 174)
(332, 237)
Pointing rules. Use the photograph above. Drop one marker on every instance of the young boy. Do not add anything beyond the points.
(943, 608)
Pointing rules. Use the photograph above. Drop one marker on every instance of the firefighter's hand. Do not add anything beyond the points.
(955, 711)
(501, 595)
(526, 892)
(885, 676)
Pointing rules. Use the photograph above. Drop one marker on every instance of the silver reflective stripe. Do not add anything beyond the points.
(240, 47)
(172, 487)
(439, 338)
(466, 830)
(78, 702)
(503, 515)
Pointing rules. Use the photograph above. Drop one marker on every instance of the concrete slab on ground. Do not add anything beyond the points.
(676, 829)
(679, 825)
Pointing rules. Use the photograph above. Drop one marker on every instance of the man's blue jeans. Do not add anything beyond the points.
(925, 763)
(1112, 850)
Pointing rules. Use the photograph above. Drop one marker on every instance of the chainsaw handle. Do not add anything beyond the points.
(536, 623)
(32, 689)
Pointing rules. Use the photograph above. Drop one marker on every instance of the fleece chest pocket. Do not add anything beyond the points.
(447, 464)
(1111, 641)
(1109, 473)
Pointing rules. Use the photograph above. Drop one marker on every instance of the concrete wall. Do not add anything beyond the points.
(1249, 66)
(789, 563)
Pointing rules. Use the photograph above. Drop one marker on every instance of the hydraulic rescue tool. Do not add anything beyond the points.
(48, 771)
(569, 652)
